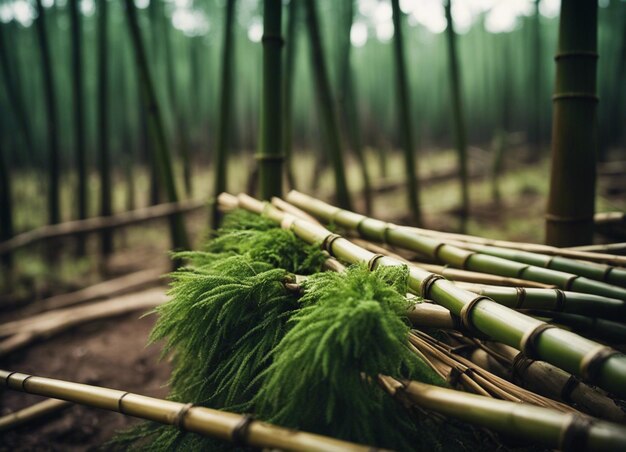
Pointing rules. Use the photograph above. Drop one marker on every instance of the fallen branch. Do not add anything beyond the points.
(32, 413)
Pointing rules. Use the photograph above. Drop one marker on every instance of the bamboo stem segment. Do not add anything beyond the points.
(205, 421)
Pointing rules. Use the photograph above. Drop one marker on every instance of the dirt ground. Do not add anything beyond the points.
(109, 353)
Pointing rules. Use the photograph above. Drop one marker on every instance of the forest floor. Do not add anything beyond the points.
(113, 353)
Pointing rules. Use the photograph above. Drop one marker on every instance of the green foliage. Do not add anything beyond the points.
(323, 378)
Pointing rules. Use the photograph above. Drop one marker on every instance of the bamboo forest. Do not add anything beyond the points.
(313, 225)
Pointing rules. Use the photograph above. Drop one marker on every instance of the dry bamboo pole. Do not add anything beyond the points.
(240, 429)
(32, 413)
(599, 272)
(27, 331)
(549, 427)
(546, 379)
(609, 218)
(571, 352)
(96, 224)
(373, 229)
(606, 249)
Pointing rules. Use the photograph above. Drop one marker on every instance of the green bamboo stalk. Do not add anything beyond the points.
(288, 76)
(372, 229)
(571, 202)
(270, 155)
(566, 350)
(155, 126)
(54, 202)
(79, 123)
(457, 114)
(103, 125)
(598, 272)
(346, 98)
(218, 424)
(182, 129)
(404, 118)
(552, 428)
(6, 206)
(224, 117)
(326, 105)
(536, 83)
(14, 93)
(601, 329)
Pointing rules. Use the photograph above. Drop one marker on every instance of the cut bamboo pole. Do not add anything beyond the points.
(96, 224)
(544, 378)
(23, 332)
(598, 272)
(222, 425)
(575, 354)
(605, 249)
(381, 231)
(549, 427)
(32, 413)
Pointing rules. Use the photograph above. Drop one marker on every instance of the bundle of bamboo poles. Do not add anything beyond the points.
(554, 354)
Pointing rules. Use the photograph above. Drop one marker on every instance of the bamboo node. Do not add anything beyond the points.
(518, 368)
(268, 158)
(554, 218)
(275, 38)
(371, 264)
(521, 297)
(559, 302)
(568, 388)
(120, 407)
(592, 362)
(241, 430)
(570, 281)
(576, 95)
(327, 243)
(179, 418)
(465, 259)
(528, 344)
(466, 315)
(575, 434)
(427, 283)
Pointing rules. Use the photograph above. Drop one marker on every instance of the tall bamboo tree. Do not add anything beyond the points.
(6, 204)
(79, 115)
(224, 116)
(288, 75)
(346, 99)
(571, 202)
(457, 113)
(14, 93)
(155, 126)
(404, 117)
(536, 83)
(326, 104)
(270, 156)
(103, 124)
(54, 209)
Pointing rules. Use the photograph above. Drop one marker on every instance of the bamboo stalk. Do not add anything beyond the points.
(404, 118)
(373, 229)
(224, 117)
(270, 155)
(457, 113)
(571, 200)
(602, 329)
(222, 425)
(6, 208)
(326, 104)
(562, 348)
(32, 413)
(54, 201)
(96, 224)
(550, 427)
(598, 272)
(546, 379)
(287, 94)
(610, 248)
(156, 127)
(582, 253)
(106, 209)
